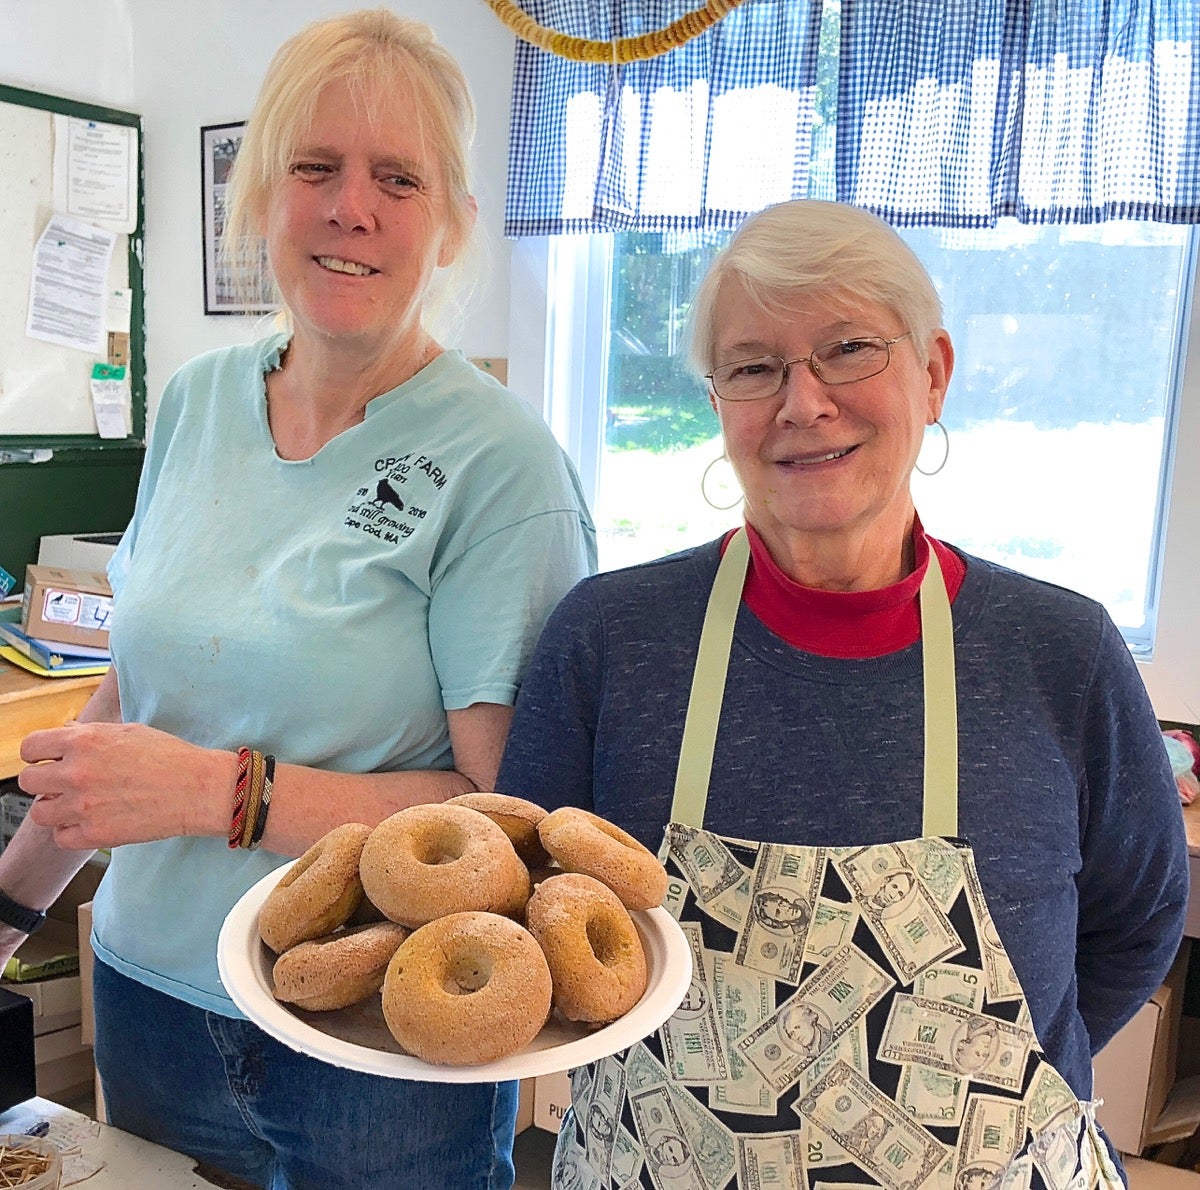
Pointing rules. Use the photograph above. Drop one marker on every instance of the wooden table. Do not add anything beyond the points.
(29, 702)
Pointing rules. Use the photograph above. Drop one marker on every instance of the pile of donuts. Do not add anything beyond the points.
(476, 919)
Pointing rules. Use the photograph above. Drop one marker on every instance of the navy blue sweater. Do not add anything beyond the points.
(1065, 792)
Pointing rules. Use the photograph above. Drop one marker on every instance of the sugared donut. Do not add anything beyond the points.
(591, 945)
(465, 989)
(516, 817)
(583, 842)
(318, 892)
(430, 860)
(338, 969)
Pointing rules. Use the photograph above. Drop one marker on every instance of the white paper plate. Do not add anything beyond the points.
(357, 1037)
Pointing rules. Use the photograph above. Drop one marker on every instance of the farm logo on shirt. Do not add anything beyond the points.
(391, 504)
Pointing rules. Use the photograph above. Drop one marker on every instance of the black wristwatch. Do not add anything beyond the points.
(20, 917)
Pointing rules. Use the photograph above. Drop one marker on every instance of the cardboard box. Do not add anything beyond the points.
(62, 1043)
(87, 961)
(62, 1061)
(71, 606)
(64, 1064)
(53, 950)
(57, 1003)
(78, 551)
(58, 999)
(1135, 1073)
(1152, 1175)
(551, 1098)
(525, 1104)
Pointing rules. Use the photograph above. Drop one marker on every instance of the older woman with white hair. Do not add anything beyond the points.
(952, 767)
(345, 543)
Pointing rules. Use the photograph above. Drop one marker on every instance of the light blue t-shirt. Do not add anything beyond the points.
(329, 611)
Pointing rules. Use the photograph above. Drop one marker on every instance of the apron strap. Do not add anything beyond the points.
(694, 771)
(708, 684)
(941, 705)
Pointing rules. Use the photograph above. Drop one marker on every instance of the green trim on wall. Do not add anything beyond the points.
(78, 491)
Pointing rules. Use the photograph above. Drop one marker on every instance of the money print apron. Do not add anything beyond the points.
(853, 1021)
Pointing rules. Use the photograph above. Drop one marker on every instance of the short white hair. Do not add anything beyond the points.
(797, 249)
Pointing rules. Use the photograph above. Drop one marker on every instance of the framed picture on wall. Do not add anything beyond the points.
(248, 291)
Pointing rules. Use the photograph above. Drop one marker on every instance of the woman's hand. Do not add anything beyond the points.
(104, 784)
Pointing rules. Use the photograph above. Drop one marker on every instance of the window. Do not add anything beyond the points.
(1074, 412)
(1062, 413)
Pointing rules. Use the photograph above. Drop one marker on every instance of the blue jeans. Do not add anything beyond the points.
(224, 1092)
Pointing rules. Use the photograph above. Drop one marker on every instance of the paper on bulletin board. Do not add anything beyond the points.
(118, 316)
(95, 172)
(68, 290)
(111, 400)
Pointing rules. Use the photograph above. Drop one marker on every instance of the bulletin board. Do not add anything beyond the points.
(45, 393)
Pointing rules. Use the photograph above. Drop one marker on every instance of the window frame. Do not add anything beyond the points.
(560, 285)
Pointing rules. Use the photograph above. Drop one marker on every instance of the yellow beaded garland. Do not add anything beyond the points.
(624, 49)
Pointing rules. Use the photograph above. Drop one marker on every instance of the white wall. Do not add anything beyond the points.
(186, 63)
(81, 49)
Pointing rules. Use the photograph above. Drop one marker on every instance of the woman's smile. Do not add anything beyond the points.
(353, 268)
(819, 459)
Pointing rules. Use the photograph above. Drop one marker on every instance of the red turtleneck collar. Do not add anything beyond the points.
(846, 624)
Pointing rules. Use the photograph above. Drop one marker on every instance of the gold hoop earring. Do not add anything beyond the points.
(945, 450)
(721, 458)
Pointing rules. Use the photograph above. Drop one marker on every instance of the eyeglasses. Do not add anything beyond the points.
(842, 362)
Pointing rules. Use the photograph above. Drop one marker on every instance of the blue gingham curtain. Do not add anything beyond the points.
(949, 112)
(957, 112)
(698, 138)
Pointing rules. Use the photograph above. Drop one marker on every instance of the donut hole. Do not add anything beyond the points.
(438, 846)
(605, 937)
(467, 972)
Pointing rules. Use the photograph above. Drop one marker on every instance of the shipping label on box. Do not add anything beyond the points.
(551, 1098)
(71, 606)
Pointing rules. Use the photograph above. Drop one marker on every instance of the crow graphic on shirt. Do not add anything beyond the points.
(386, 494)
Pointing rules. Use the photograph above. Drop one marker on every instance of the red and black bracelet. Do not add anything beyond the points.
(240, 789)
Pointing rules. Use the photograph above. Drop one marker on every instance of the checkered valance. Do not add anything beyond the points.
(946, 112)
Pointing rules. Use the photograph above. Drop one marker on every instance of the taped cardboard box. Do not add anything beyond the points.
(1136, 1072)
(64, 1064)
(1151, 1175)
(551, 1098)
(71, 606)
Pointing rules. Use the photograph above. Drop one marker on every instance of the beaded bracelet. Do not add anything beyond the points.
(253, 798)
(238, 820)
(264, 803)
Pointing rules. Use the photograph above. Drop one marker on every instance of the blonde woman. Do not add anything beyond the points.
(344, 546)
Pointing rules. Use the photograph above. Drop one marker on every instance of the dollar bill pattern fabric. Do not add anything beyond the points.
(853, 1021)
